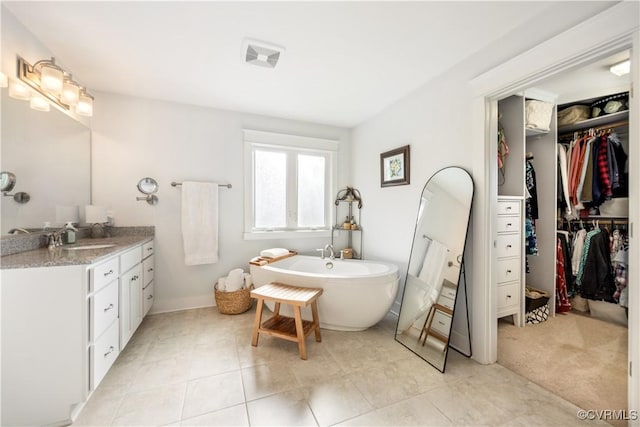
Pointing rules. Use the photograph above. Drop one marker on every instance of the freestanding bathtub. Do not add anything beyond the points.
(356, 294)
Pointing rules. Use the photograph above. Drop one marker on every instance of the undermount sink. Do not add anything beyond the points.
(84, 247)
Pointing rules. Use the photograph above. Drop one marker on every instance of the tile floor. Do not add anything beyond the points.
(198, 368)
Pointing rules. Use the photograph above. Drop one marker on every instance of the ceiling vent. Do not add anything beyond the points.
(261, 54)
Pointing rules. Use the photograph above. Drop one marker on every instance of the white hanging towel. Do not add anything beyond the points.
(200, 222)
(432, 271)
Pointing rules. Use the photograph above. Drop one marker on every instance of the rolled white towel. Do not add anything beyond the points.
(235, 280)
(222, 284)
(274, 252)
(247, 280)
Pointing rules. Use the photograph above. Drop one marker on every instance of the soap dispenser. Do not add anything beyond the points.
(70, 232)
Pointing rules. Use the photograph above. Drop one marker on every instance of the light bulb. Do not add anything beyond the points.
(84, 107)
(38, 103)
(51, 78)
(19, 91)
(70, 92)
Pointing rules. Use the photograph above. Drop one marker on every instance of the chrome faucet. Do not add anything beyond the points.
(329, 247)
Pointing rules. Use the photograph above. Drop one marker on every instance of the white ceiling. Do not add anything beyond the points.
(344, 61)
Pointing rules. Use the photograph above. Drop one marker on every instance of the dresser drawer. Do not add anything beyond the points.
(506, 207)
(103, 353)
(508, 270)
(147, 270)
(508, 245)
(448, 291)
(147, 249)
(508, 224)
(508, 295)
(147, 298)
(103, 274)
(104, 309)
(130, 258)
(441, 323)
(446, 301)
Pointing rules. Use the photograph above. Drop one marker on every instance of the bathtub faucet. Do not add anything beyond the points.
(329, 247)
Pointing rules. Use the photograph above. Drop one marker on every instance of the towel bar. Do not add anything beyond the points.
(175, 184)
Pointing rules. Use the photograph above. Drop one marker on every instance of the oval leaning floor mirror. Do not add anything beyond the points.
(435, 266)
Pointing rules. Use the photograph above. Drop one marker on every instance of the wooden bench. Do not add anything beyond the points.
(292, 329)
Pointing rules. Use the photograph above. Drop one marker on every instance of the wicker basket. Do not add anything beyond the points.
(235, 302)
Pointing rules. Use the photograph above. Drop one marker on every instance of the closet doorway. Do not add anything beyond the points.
(563, 323)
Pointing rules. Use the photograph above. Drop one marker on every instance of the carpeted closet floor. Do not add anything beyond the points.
(573, 355)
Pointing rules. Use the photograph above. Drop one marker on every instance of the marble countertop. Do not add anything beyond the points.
(60, 256)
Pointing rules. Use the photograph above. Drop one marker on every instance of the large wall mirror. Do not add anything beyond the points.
(435, 265)
(49, 154)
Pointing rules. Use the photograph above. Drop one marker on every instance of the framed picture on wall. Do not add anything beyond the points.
(395, 167)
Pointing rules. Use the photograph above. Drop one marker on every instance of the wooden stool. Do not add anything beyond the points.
(292, 329)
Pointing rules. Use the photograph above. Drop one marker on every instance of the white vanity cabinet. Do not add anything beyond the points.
(45, 372)
(509, 252)
(63, 327)
(104, 345)
(148, 266)
(130, 293)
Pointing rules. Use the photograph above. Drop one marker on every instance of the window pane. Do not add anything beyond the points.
(270, 189)
(311, 191)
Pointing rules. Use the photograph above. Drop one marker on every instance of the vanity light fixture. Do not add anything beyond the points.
(38, 103)
(19, 91)
(70, 91)
(55, 85)
(84, 106)
(621, 68)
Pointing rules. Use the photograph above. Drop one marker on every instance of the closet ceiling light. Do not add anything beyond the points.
(55, 85)
(621, 68)
(261, 54)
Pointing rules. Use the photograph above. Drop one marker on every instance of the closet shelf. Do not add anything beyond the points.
(598, 121)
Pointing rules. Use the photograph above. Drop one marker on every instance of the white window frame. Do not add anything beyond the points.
(254, 139)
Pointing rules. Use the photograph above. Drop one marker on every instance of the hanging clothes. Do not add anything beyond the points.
(597, 278)
(531, 208)
(620, 261)
(563, 304)
(563, 187)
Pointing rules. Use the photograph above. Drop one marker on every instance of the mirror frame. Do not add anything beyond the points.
(148, 186)
(7, 181)
(442, 366)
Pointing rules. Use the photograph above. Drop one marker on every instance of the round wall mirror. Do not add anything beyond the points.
(7, 181)
(148, 185)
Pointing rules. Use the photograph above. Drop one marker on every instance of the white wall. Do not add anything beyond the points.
(436, 120)
(134, 138)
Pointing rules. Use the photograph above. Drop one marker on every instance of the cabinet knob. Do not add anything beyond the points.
(150, 296)
(508, 271)
(508, 208)
(149, 249)
(111, 350)
(509, 224)
(508, 246)
(108, 273)
(508, 296)
(134, 278)
(108, 308)
(150, 270)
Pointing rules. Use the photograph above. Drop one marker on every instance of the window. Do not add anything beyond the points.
(289, 184)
